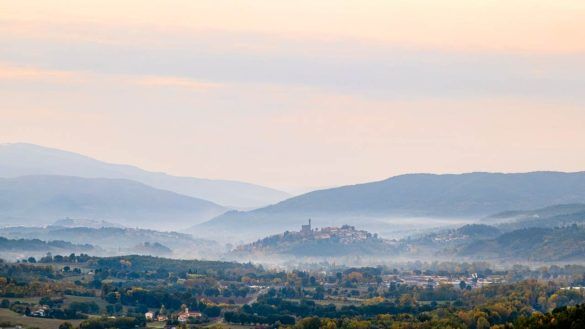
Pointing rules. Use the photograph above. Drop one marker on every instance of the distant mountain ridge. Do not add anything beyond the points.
(37, 200)
(471, 195)
(24, 245)
(21, 159)
(77, 222)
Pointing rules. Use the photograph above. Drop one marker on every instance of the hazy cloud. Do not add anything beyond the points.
(296, 94)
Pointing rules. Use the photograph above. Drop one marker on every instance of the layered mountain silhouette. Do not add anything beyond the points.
(37, 200)
(20, 159)
(471, 195)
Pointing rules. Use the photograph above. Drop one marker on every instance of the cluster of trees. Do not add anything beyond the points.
(71, 258)
(223, 270)
(247, 318)
(106, 323)
(24, 280)
(36, 245)
(55, 310)
(560, 318)
(141, 300)
(512, 273)
(172, 297)
(132, 285)
(308, 308)
(446, 317)
(428, 306)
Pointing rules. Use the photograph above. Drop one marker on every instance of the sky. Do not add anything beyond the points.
(299, 94)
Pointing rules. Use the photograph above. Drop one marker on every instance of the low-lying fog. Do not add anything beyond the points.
(386, 227)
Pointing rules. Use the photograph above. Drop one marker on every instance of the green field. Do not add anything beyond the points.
(29, 300)
(337, 302)
(156, 324)
(7, 315)
(68, 299)
(25, 321)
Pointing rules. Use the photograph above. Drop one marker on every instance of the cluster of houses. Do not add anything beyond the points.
(473, 281)
(182, 317)
(345, 233)
(40, 311)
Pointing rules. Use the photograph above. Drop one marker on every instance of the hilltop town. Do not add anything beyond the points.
(328, 241)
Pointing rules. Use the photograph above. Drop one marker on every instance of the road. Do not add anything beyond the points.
(256, 295)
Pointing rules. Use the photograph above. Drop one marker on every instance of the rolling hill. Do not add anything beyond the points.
(21, 242)
(37, 200)
(324, 243)
(121, 241)
(20, 159)
(531, 244)
(553, 216)
(24, 245)
(471, 195)
(482, 242)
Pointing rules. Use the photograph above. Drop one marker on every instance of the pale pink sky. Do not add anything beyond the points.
(297, 94)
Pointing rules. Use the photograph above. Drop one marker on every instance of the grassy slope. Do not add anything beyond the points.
(15, 318)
